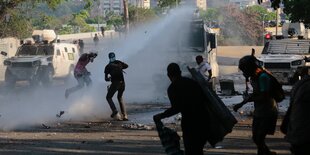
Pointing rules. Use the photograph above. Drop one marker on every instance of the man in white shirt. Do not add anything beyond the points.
(203, 68)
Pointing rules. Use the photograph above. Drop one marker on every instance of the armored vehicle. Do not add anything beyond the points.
(41, 60)
(286, 59)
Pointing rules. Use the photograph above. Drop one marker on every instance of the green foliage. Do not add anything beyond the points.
(168, 3)
(113, 19)
(209, 15)
(66, 30)
(140, 15)
(17, 26)
(91, 21)
(75, 14)
(78, 20)
(52, 3)
(46, 22)
(95, 20)
(65, 9)
(88, 4)
(262, 12)
(298, 10)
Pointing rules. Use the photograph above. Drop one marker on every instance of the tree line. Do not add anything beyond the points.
(19, 17)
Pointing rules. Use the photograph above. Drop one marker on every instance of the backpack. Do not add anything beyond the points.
(276, 91)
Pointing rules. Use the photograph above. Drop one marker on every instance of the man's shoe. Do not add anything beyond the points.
(114, 113)
(125, 118)
(116, 116)
(60, 113)
(272, 153)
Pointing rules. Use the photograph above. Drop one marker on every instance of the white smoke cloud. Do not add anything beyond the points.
(147, 49)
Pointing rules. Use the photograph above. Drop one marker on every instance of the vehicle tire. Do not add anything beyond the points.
(47, 77)
(9, 79)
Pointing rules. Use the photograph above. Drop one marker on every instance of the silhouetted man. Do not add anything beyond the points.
(265, 106)
(187, 97)
(296, 123)
(102, 30)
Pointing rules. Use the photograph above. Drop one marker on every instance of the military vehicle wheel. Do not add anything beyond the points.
(10, 79)
(47, 77)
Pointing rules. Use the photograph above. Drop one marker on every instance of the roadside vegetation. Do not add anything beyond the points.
(19, 17)
(238, 26)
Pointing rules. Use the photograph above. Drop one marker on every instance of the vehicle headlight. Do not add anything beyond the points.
(296, 62)
(36, 63)
(7, 63)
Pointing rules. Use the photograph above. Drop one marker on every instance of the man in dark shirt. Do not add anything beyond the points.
(81, 74)
(265, 106)
(102, 30)
(296, 121)
(187, 97)
(114, 73)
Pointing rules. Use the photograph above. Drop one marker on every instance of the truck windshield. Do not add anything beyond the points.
(35, 50)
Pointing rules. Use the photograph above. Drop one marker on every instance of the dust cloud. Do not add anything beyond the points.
(147, 50)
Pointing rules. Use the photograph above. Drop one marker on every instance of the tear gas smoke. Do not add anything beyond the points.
(147, 50)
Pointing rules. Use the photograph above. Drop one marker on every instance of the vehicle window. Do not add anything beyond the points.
(27, 50)
(58, 51)
(66, 50)
(45, 50)
(70, 56)
(288, 48)
(35, 50)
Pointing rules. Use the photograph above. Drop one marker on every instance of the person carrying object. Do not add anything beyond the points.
(114, 72)
(81, 74)
(187, 97)
(265, 106)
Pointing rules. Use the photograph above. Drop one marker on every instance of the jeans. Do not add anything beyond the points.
(118, 86)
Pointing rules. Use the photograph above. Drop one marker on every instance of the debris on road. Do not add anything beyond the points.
(45, 126)
(137, 126)
(60, 113)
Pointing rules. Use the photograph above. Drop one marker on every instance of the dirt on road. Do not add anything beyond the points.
(108, 137)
